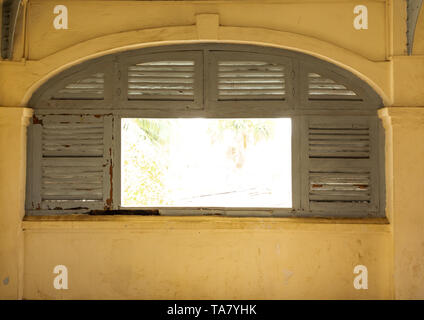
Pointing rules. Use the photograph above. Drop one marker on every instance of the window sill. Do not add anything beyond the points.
(127, 222)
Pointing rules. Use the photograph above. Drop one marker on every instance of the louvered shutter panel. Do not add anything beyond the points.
(341, 171)
(250, 80)
(248, 84)
(324, 88)
(161, 80)
(73, 165)
(86, 88)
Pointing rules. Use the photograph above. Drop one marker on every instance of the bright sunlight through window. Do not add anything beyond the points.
(206, 162)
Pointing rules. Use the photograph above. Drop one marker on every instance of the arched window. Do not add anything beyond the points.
(79, 139)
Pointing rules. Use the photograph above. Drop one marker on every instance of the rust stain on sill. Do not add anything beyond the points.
(124, 212)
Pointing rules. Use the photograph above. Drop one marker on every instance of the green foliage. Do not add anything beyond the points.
(155, 130)
(146, 164)
(145, 185)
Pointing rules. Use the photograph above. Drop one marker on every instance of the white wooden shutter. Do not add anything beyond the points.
(250, 80)
(341, 171)
(246, 83)
(86, 88)
(325, 88)
(71, 162)
(162, 80)
(152, 80)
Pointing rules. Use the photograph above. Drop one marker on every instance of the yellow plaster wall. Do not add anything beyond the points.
(321, 28)
(206, 258)
(145, 257)
(13, 123)
(406, 189)
(316, 19)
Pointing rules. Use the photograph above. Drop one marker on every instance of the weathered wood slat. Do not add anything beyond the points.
(160, 93)
(339, 143)
(354, 175)
(72, 162)
(261, 74)
(161, 80)
(52, 138)
(338, 148)
(73, 152)
(242, 63)
(161, 86)
(330, 92)
(250, 80)
(346, 155)
(322, 88)
(91, 87)
(157, 80)
(75, 184)
(81, 95)
(73, 126)
(81, 196)
(72, 131)
(72, 120)
(76, 141)
(267, 69)
(339, 197)
(72, 175)
(336, 136)
(334, 98)
(335, 131)
(263, 87)
(51, 170)
(240, 97)
(170, 74)
(83, 86)
(67, 148)
(251, 92)
(327, 87)
(148, 68)
(339, 189)
(313, 81)
(336, 207)
(166, 63)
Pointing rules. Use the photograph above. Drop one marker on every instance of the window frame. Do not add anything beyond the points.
(295, 106)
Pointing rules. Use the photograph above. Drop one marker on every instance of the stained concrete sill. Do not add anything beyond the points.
(79, 222)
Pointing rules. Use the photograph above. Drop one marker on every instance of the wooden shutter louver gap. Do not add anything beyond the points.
(91, 88)
(322, 88)
(161, 80)
(250, 80)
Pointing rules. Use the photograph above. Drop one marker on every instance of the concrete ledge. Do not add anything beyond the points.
(118, 222)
